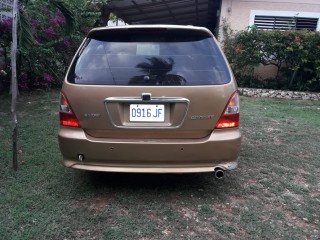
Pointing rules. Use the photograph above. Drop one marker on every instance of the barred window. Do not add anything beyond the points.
(285, 20)
(285, 23)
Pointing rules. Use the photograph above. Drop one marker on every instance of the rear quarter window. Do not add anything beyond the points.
(149, 58)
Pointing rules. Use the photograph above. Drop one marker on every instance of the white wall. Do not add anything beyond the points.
(117, 23)
(238, 12)
(5, 4)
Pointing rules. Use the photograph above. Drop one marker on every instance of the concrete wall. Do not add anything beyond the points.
(237, 12)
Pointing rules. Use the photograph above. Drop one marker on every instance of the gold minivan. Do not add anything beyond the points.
(150, 99)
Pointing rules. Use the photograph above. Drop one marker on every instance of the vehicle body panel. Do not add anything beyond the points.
(219, 149)
(87, 99)
(184, 141)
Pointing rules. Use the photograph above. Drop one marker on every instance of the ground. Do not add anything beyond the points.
(274, 194)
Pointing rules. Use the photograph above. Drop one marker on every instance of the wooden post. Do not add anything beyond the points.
(14, 84)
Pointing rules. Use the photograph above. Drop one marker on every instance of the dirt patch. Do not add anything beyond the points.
(123, 212)
(99, 203)
(300, 180)
(301, 223)
(188, 213)
(153, 216)
(277, 141)
(238, 201)
(227, 210)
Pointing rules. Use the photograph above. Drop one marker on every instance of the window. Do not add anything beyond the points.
(285, 20)
(151, 58)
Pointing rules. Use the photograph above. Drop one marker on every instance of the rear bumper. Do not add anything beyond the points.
(219, 150)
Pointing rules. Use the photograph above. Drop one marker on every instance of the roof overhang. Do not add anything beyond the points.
(181, 12)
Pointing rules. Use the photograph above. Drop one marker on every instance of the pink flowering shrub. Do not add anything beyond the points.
(6, 25)
(5, 39)
(45, 63)
(5, 30)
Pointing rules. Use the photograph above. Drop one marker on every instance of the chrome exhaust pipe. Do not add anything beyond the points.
(219, 173)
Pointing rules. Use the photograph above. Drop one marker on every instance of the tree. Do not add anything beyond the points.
(25, 43)
(49, 33)
(14, 83)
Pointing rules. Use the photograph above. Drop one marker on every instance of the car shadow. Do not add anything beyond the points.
(161, 183)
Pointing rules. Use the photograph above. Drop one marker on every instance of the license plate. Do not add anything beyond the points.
(146, 113)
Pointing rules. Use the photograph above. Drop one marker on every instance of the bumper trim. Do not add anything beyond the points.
(127, 169)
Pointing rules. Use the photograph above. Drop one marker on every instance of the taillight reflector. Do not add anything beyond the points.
(67, 116)
(231, 114)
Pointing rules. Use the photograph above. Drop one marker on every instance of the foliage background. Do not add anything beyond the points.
(54, 40)
(294, 53)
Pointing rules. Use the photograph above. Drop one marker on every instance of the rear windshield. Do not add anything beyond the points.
(149, 58)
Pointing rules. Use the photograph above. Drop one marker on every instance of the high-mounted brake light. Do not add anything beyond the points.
(67, 116)
(231, 114)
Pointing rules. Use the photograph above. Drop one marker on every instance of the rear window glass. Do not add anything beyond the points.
(149, 58)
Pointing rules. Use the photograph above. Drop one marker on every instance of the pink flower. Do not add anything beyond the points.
(56, 20)
(297, 39)
(6, 24)
(50, 30)
(238, 49)
(35, 22)
(66, 42)
(47, 77)
(7, 21)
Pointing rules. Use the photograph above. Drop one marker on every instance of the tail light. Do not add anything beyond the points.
(230, 115)
(67, 116)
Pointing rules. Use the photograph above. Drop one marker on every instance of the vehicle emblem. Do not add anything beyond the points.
(92, 115)
(202, 117)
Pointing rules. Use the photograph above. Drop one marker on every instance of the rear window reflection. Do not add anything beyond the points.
(170, 61)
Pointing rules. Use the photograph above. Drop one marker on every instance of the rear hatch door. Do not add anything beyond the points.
(154, 83)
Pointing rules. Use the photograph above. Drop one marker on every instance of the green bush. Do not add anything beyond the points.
(294, 53)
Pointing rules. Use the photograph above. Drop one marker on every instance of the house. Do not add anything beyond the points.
(271, 14)
(239, 14)
(5, 4)
(118, 22)
(181, 12)
(265, 14)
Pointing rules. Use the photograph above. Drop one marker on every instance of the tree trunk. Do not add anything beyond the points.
(277, 74)
(294, 74)
(14, 84)
(2, 67)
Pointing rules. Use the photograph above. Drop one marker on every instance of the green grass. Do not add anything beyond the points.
(274, 194)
